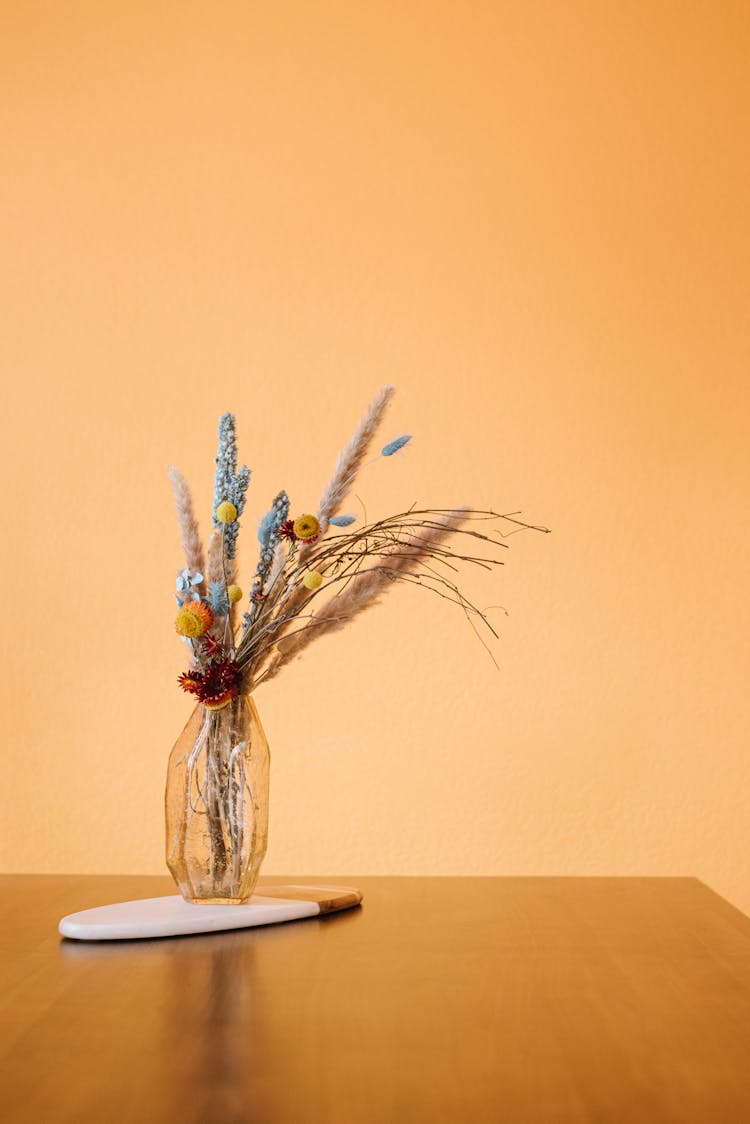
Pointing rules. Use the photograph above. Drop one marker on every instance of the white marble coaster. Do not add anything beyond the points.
(173, 916)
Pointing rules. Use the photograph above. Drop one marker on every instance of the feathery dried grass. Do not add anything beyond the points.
(188, 524)
(221, 569)
(352, 458)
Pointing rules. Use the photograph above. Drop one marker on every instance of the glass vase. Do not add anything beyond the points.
(217, 804)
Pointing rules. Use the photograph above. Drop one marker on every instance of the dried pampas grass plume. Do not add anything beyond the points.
(352, 458)
(218, 563)
(191, 540)
(223, 570)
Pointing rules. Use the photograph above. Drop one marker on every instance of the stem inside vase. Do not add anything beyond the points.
(217, 830)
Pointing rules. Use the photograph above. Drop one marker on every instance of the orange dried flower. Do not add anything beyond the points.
(193, 619)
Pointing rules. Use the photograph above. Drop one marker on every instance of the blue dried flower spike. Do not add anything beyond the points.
(230, 486)
(268, 537)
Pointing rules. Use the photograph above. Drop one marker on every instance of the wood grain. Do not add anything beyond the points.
(442, 1000)
(329, 899)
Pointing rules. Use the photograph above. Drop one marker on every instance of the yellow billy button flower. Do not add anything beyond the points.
(226, 512)
(306, 528)
(193, 619)
(312, 579)
(234, 593)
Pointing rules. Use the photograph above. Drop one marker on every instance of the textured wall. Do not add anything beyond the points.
(532, 218)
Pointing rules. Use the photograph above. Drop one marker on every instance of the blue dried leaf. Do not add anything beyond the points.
(342, 520)
(394, 446)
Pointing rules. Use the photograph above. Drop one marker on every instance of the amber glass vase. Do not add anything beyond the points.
(217, 804)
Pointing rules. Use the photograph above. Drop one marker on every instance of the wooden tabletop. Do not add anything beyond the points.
(438, 1000)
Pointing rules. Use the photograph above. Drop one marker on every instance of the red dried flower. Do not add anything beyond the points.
(286, 531)
(216, 686)
(258, 596)
(190, 681)
(211, 646)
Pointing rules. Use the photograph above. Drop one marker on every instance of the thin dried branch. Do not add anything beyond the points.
(417, 536)
(365, 589)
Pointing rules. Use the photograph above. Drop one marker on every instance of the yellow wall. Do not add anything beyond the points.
(532, 217)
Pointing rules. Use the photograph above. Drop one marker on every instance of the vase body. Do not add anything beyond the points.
(217, 804)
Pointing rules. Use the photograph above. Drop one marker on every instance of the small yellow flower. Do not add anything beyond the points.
(194, 619)
(226, 512)
(234, 593)
(306, 528)
(312, 579)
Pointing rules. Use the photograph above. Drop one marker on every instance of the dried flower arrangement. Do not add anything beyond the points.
(309, 581)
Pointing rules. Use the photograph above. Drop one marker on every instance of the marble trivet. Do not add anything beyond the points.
(173, 916)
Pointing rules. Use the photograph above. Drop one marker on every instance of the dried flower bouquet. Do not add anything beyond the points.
(308, 580)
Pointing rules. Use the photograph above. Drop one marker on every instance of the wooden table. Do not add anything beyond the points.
(439, 1000)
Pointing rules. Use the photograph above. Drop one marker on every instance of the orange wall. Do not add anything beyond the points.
(532, 217)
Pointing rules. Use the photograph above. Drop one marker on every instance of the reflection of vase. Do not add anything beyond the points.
(217, 804)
